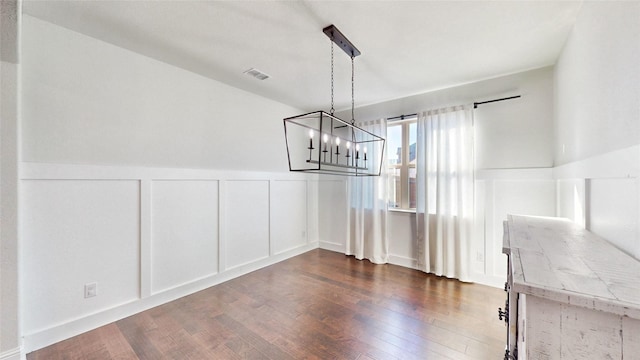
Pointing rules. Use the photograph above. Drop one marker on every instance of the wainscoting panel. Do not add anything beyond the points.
(571, 200)
(184, 232)
(607, 188)
(529, 197)
(402, 234)
(499, 192)
(313, 236)
(332, 214)
(479, 246)
(288, 215)
(246, 234)
(76, 232)
(613, 212)
(147, 236)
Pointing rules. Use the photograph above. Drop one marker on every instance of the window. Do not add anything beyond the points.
(401, 160)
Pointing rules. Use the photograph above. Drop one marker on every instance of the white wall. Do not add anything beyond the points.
(149, 180)
(89, 102)
(511, 134)
(10, 342)
(596, 87)
(514, 155)
(597, 123)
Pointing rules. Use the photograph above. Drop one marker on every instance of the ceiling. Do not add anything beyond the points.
(408, 47)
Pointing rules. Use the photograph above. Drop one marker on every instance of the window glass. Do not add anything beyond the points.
(401, 159)
(412, 143)
(394, 188)
(394, 141)
(412, 188)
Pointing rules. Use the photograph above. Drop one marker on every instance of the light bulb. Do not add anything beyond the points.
(337, 141)
(325, 138)
(357, 147)
(348, 144)
(310, 133)
(365, 149)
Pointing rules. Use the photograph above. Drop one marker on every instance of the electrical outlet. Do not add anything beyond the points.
(90, 290)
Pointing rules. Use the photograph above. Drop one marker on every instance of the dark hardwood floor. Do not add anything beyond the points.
(319, 305)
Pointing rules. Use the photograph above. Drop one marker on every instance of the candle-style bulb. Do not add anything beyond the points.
(357, 147)
(325, 137)
(337, 141)
(310, 142)
(348, 144)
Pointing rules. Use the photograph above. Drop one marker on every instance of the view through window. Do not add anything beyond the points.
(401, 160)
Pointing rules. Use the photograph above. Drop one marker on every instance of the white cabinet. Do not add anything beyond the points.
(577, 296)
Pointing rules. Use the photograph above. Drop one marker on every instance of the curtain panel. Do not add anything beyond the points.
(444, 187)
(367, 214)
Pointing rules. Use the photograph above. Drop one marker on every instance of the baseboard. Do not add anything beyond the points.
(52, 335)
(403, 261)
(489, 280)
(332, 246)
(13, 354)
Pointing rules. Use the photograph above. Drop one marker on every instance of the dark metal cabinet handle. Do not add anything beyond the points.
(503, 315)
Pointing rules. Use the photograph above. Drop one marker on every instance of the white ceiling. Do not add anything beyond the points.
(408, 47)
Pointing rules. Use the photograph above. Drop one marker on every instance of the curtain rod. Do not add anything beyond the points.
(475, 106)
(402, 117)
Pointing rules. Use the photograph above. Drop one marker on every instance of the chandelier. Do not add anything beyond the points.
(322, 143)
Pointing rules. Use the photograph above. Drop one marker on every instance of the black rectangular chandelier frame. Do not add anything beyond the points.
(363, 158)
(342, 148)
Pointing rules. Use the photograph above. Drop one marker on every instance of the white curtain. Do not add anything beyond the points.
(444, 177)
(367, 230)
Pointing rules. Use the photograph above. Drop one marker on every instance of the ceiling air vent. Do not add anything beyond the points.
(257, 74)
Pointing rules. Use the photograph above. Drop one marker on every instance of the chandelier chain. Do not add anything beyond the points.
(332, 109)
(353, 102)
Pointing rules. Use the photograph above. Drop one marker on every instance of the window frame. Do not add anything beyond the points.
(404, 165)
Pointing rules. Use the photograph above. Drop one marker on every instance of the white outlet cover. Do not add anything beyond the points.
(90, 290)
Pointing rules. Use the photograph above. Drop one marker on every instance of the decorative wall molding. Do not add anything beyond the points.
(500, 192)
(289, 229)
(515, 174)
(602, 194)
(49, 171)
(13, 354)
(499, 186)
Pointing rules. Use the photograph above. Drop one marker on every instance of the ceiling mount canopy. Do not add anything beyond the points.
(339, 39)
(341, 148)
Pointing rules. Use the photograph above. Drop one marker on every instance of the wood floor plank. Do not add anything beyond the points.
(319, 305)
